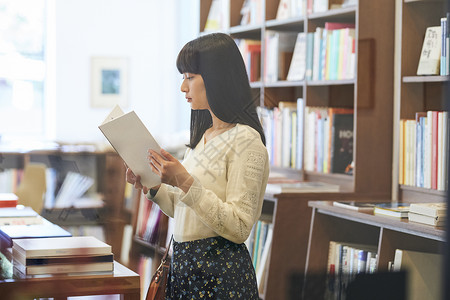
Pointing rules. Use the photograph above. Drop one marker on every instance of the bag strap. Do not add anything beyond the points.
(167, 250)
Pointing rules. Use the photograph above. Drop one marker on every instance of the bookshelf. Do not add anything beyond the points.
(414, 93)
(331, 223)
(107, 170)
(369, 93)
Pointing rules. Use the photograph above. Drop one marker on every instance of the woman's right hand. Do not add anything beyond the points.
(135, 180)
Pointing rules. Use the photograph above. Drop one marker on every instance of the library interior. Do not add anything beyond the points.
(352, 97)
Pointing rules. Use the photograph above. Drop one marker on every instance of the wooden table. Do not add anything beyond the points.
(122, 281)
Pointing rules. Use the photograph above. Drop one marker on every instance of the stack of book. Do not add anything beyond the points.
(428, 213)
(63, 255)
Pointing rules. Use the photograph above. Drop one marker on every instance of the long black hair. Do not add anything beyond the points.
(218, 60)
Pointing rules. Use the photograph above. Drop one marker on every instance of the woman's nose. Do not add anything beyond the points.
(184, 86)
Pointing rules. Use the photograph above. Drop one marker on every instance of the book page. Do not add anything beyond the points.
(131, 139)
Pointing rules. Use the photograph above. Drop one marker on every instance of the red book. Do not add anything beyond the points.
(8, 200)
(434, 149)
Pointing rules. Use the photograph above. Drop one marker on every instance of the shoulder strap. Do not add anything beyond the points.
(167, 249)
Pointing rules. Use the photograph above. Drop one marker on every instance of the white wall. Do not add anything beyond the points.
(149, 33)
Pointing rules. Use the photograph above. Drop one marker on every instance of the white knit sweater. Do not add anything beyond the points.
(230, 176)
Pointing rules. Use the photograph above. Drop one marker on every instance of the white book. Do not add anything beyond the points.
(264, 256)
(297, 68)
(300, 132)
(65, 268)
(131, 140)
(443, 151)
(430, 57)
(317, 52)
(61, 246)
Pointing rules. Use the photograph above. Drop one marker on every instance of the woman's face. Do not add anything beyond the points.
(194, 89)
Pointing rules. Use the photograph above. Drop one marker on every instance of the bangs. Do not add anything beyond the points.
(187, 60)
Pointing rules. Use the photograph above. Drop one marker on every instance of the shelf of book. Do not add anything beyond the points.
(386, 234)
(420, 117)
(366, 88)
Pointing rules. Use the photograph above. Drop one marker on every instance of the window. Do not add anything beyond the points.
(22, 68)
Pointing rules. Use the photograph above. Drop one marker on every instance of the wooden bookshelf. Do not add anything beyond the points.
(414, 93)
(108, 171)
(330, 223)
(369, 93)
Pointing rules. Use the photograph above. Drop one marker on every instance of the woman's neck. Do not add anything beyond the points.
(218, 124)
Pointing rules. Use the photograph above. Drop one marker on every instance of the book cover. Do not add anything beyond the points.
(430, 56)
(341, 142)
(297, 67)
(433, 209)
(398, 210)
(355, 205)
(131, 139)
(61, 246)
(437, 221)
(11, 233)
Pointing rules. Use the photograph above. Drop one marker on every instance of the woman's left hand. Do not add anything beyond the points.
(170, 170)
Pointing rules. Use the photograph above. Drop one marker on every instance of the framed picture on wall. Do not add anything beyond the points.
(109, 81)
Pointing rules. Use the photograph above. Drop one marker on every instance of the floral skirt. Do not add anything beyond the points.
(211, 268)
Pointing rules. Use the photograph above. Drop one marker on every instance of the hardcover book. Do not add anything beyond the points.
(342, 142)
(355, 205)
(131, 140)
(11, 233)
(18, 257)
(434, 209)
(398, 210)
(8, 200)
(437, 221)
(65, 268)
(62, 246)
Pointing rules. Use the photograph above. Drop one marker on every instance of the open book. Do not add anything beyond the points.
(131, 139)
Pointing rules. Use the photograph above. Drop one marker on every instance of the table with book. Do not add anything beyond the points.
(50, 263)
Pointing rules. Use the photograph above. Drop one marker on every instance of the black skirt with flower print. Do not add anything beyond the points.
(211, 268)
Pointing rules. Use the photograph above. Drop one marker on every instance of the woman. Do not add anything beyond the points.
(215, 196)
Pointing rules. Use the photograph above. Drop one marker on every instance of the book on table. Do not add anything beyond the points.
(62, 246)
(19, 215)
(11, 233)
(64, 255)
(438, 221)
(355, 205)
(428, 213)
(8, 200)
(130, 138)
(64, 268)
(391, 209)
